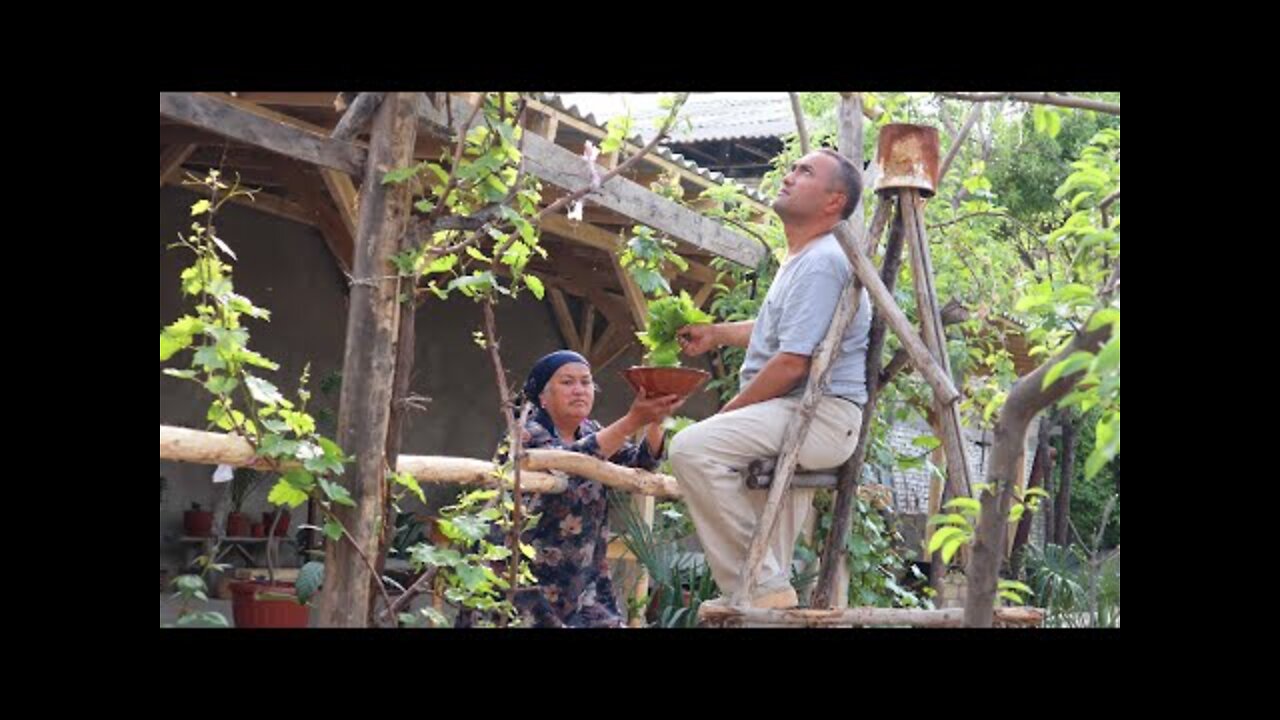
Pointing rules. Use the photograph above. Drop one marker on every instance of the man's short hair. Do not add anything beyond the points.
(848, 181)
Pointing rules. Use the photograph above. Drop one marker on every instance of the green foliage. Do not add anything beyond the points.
(667, 315)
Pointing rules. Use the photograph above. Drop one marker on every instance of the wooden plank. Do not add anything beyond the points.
(601, 239)
(267, 203)
(171, 159)
(253, 127)
(658, 161)
(343, 193)
(279, 207)
(303, 184)
(631, 291)
(357, 117)
(560, 167)
(588, 326)
(607, 355)
(543, 124)
(585, 233)
(606, 343)
(561, 309)
(368, 363)
(880, 295)
(703, 294)
(290, 99)
(935, 340)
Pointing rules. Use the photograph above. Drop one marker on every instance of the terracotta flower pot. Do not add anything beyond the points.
(197, 523)
(237, 525)
(252, 606)
(665, 380)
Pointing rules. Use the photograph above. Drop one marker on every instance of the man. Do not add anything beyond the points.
(822, 189)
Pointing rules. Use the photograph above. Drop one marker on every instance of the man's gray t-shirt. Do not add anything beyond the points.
(796, 312)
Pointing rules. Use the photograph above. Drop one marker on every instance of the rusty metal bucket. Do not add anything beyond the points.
(907, 157)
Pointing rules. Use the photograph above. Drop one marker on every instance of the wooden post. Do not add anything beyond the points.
(832, 588)
(564, 320)
(369, 363)
(644, 504)
(850, 146)
(935, 339)
(939, 380)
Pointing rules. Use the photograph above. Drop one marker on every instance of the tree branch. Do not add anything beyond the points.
(1043, 98)
(969, 121)
(800, 128)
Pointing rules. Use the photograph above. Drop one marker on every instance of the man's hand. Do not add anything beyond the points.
(697, 339)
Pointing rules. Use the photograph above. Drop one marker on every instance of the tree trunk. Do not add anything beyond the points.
(1026, 399)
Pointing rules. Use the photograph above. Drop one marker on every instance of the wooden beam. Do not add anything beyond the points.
(631, 291)
(343, 193)
(869, 276)
(256, 128)
(612, 306)
(588, 326)
(543, 124)
(935, 338)
(290, 99)
(171, 159)
(357, 117)
(302, 183)
(654, 160)
(610, 335)
(621, 344)
(703, 293)
(278, 206)
(601, 239)
(562, 168)
(369, 359)
(266, 203)
(561, 309)
(585, 233)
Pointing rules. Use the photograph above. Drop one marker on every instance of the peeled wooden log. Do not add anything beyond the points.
(210, 448)
(722, 616)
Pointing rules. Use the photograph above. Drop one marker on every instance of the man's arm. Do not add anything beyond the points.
(777, 378)
(698, 339)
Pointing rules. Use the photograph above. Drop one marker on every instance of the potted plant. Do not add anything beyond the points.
(243, 483)
(645, 258)
(272, 603)
(197, 522)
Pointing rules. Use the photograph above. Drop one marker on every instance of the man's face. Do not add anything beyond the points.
(809, 190)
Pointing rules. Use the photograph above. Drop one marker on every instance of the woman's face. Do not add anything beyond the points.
(570, 394)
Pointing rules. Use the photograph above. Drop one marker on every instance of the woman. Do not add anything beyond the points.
(572, 536)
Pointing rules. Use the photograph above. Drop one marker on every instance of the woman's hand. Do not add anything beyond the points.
(646, 410)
